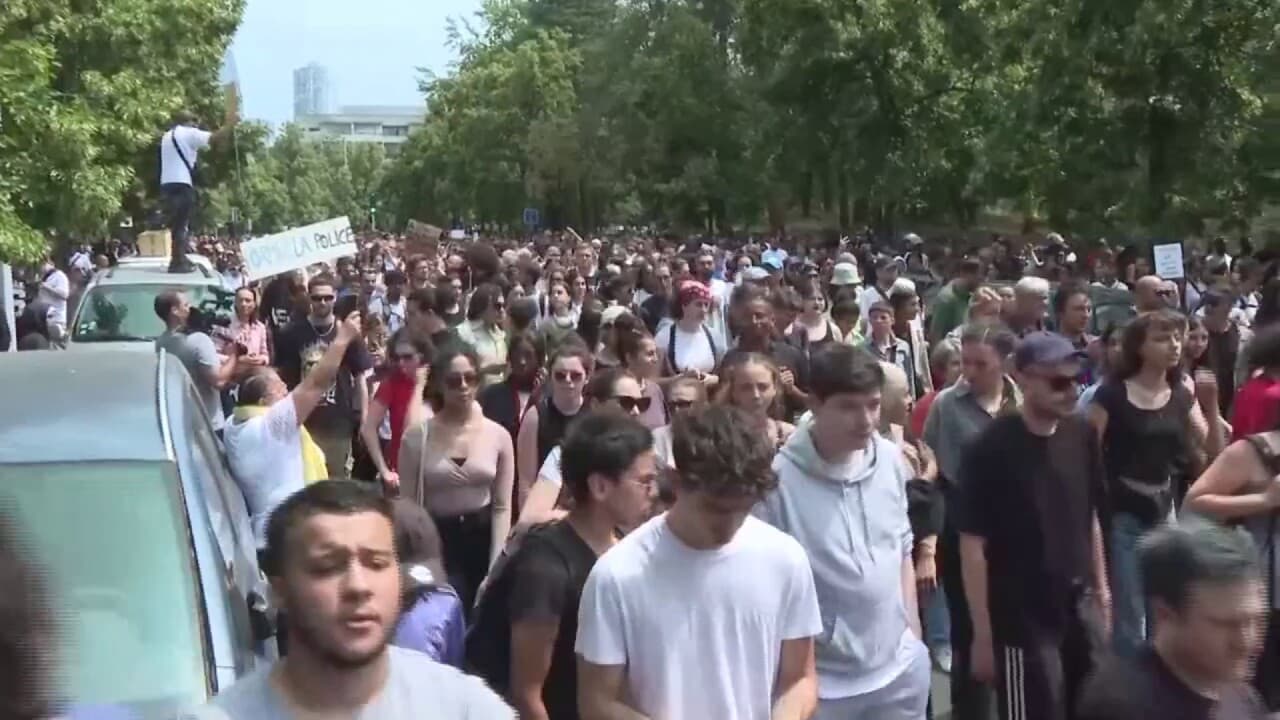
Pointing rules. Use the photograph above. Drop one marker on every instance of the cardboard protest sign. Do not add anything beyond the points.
(421, 238)
(154, 243)
(298, 248)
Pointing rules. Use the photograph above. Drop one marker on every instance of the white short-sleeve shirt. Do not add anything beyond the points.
(265, 455)
(191, 140)
(699, 631)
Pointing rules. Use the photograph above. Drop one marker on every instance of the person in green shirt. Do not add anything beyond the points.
(952, 302)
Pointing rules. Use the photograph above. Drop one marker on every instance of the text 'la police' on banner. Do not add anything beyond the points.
(297, 248)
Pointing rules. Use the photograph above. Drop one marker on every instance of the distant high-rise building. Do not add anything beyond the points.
(312, 94)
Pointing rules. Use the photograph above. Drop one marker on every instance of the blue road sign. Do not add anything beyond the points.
(532, 218)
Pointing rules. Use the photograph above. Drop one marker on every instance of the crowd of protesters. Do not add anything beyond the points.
(640, 476)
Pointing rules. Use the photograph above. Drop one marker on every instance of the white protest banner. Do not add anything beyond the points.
(298, 248)
(1168, 260)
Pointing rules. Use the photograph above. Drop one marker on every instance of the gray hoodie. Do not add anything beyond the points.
(852, 520)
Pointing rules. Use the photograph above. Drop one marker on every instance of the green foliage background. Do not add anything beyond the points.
(1116, 116)
(1144, 116)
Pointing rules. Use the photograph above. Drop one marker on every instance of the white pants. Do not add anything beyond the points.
(903, 699)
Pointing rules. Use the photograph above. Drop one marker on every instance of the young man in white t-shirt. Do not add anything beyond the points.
(264, 449)
(703, 612)
(179, 147)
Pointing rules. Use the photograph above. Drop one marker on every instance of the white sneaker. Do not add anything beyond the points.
(941, 659)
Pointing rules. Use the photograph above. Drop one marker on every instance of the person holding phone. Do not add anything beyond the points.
(299, 349)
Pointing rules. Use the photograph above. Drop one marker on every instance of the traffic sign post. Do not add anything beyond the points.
(532, 218)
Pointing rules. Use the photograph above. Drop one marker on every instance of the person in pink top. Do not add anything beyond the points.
(461, 467)
(249, 331)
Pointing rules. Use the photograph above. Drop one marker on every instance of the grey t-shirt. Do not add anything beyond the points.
(196, 351)
(417, 687)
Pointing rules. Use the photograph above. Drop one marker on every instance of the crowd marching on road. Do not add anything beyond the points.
(641, 476)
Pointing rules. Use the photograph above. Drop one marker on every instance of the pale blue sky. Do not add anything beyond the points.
(371, 47)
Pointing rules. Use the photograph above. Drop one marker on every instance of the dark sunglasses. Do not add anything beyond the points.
(405, 356)
(323, 298)
(567, 376)
(461, 380)
(631, 404)
(1061, 383)
(681, 404)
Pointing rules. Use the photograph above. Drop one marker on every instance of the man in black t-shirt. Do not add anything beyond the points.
(1206, 593)
(298, 350)
(753, 319)
(522, 643)
(1030, 544)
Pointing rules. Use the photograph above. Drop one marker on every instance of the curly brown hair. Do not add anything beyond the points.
(717, 451)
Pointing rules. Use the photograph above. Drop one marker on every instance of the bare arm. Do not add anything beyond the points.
(909, 595)
(1101, 586)
(317, 382)
(973, 561)
(502, 494)
(1220, 490)
(417, 412)
(369, 433)
(797, 685)
(540, 505)
(527, 454)
(1098, 419)
(531, 646)
(600, 689)
(362, 396)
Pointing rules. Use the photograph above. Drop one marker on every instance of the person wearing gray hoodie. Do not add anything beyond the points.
(842, 495)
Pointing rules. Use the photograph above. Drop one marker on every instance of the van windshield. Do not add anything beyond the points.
(112, 541)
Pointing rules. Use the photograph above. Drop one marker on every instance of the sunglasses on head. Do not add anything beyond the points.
(632, 404)
(569, 376)
(323, 298)
(458, 381)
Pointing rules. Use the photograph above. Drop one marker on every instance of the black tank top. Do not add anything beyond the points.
(551, 427)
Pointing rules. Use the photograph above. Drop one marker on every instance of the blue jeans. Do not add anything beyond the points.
(937, 623)
(1129, 607)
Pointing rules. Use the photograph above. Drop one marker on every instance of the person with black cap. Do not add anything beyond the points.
(1030, 541)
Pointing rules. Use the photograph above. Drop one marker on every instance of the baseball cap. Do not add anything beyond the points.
(913, 239)
(755, 273)
(1044, 348)
(845, 274)
(772, 262)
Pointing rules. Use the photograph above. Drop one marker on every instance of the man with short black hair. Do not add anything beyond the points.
(1030, 543)
(299, 349)
(196, 351)
(522, 642)
(331, 559)
(704, 611)
(390, 304)
(842, 495)
(1206, 593)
